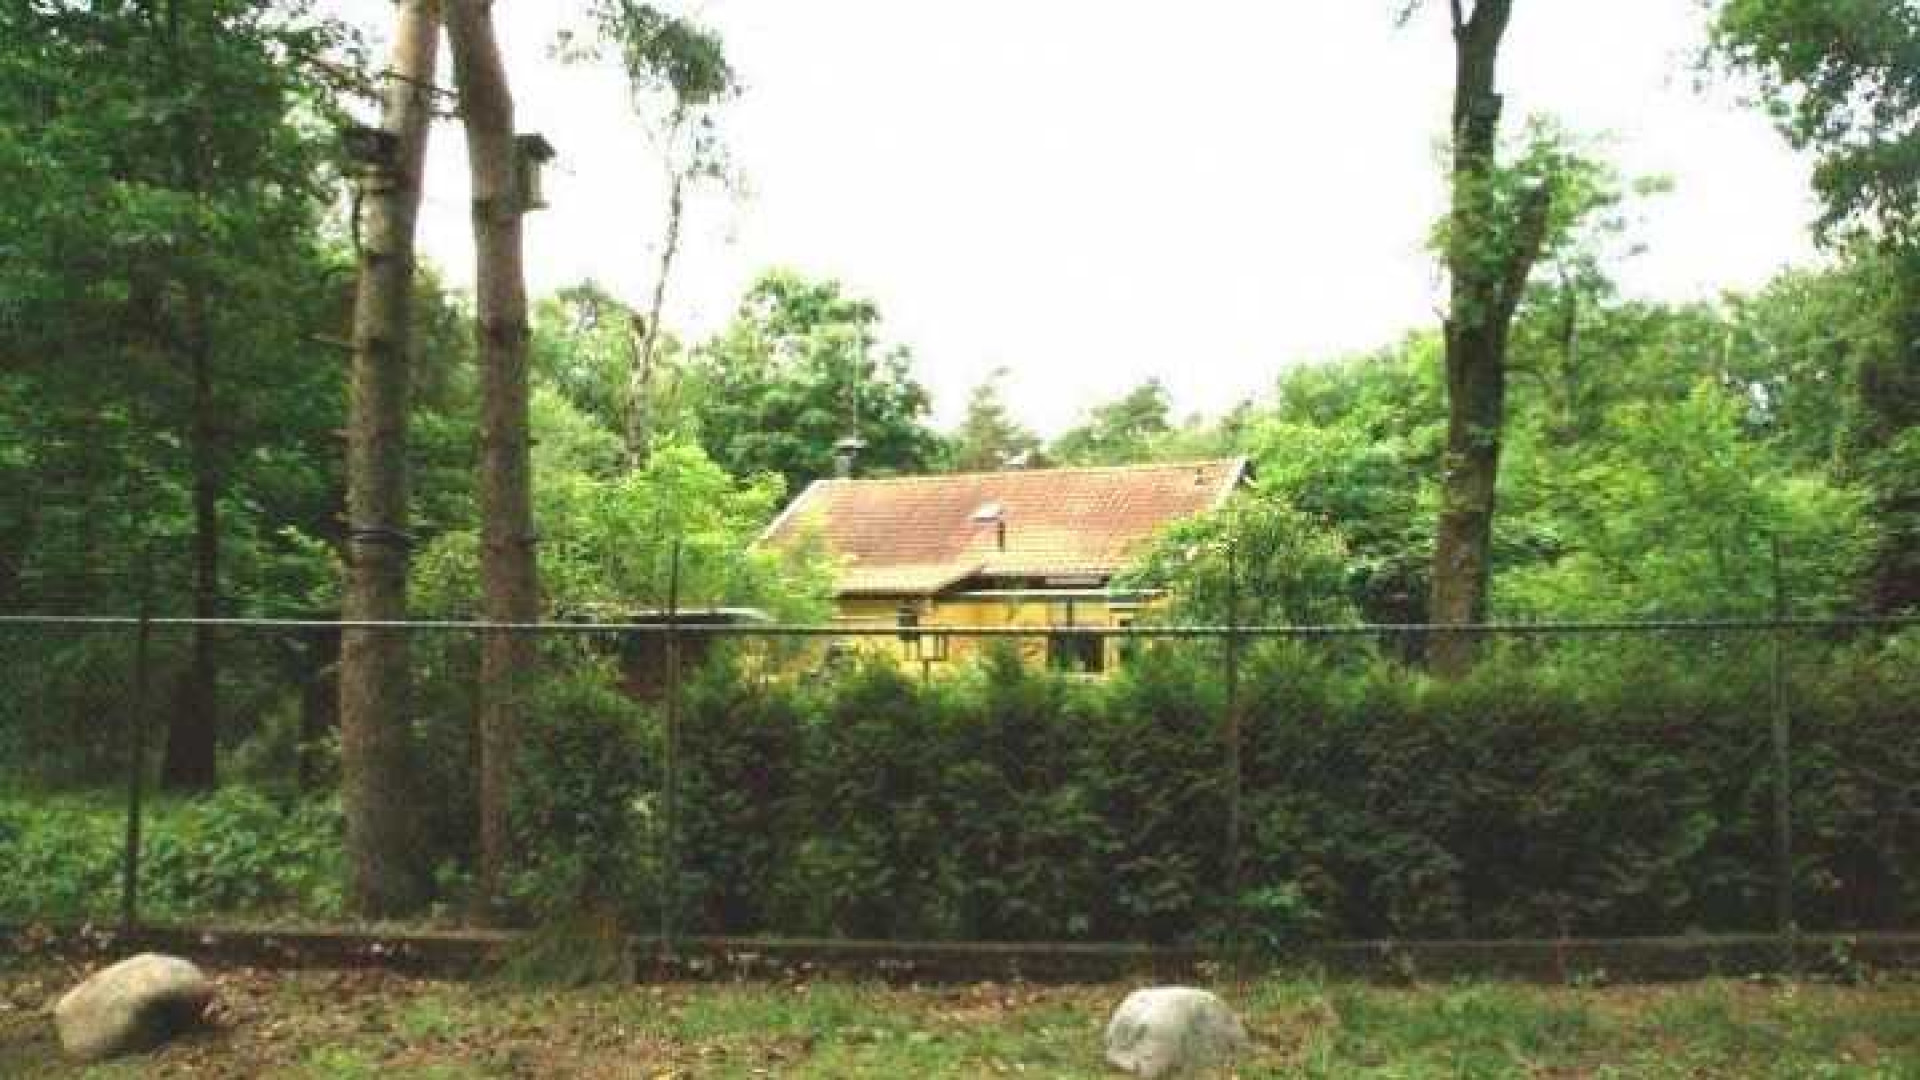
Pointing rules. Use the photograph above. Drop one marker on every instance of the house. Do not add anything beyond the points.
(1020, 548)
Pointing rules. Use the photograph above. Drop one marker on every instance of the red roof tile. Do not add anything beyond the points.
(919, 534)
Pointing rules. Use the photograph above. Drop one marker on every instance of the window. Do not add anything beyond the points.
(1125, 648)
(1077, 652)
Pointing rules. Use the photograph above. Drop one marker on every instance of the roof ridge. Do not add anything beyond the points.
(1142, 466)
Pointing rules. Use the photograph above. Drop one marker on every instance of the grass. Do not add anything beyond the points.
(346, 1025)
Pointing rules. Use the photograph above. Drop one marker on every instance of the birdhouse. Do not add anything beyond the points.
(534, 151)
(370, 151)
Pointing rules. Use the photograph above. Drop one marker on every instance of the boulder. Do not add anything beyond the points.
(1168, 1030)
(136, 1004)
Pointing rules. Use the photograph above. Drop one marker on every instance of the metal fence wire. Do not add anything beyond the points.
(1139, 782)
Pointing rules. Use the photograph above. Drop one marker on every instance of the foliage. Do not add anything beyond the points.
(1255, 561)
(876, 859)
(611, 533)
(234, 852)
(1585, 199)
(988, 438)
(1844, 80)
(1119, 432)
(122, 199)
(584, 805)
(742, 742)
(1677, 518)
(794, 373)
(1840, 79)
(665, 53)
(1355, 444)
(584, 340)
(1576, 786)
(1565, 787)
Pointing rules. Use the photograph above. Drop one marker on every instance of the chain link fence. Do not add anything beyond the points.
(1164, 784)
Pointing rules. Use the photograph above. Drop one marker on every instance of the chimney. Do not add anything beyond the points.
(994, 514)
(846, 454)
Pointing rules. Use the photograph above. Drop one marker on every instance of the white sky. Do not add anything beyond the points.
(1092, 192)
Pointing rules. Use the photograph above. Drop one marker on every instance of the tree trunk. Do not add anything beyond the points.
(510, 591)
(640, 386)
(193, 723)
(377, 776)
(1485, 290)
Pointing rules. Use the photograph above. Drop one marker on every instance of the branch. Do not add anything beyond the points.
(1459, 16)
(1530, 237)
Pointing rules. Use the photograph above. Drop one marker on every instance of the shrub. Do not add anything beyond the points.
(235, 852)
(238, 851)
(877, 858)
(585, 799)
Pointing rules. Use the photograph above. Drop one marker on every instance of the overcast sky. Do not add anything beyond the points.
(1093, 192)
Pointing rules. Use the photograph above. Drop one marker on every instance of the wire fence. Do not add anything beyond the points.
(1012, 782)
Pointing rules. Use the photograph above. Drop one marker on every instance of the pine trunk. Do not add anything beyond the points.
(509, 583)
(375, 731)
(193, 723)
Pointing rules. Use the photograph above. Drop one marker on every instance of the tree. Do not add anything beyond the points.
(1257, 560)
(1119, 432)
(375, 752)
(1495, 231)
(162, 215)
(1353, 443)
(507, 566)
(676, 59)
(989, 438)
(1843, 79)
(794, 373)
(1504, 218)
(1672, 514)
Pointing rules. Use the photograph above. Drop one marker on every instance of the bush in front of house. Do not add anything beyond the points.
(1563, 788)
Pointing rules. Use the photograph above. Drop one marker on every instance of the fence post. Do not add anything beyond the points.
(1234, 768)
(136, 773)
(1782, 772)
(670, 767)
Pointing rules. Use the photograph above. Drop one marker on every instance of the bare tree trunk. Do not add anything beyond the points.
(1486, 288)
(640, 385)
(375, 736)
(509, 580)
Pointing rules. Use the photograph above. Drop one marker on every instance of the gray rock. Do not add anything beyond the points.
(1167, 1030)
(136, 1004)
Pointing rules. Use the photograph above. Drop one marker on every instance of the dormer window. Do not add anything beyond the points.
(992, 513)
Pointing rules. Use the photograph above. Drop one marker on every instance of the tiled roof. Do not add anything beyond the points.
(921, 534)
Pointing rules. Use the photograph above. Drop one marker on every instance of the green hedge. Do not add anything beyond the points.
(1573, 787)
(1613, 788)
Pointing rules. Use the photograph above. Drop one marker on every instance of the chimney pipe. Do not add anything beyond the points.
(846, 454)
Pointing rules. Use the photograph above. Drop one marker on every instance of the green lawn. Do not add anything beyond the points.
(339, 1024)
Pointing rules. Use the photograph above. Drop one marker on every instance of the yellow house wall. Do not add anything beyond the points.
(1038, 613)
